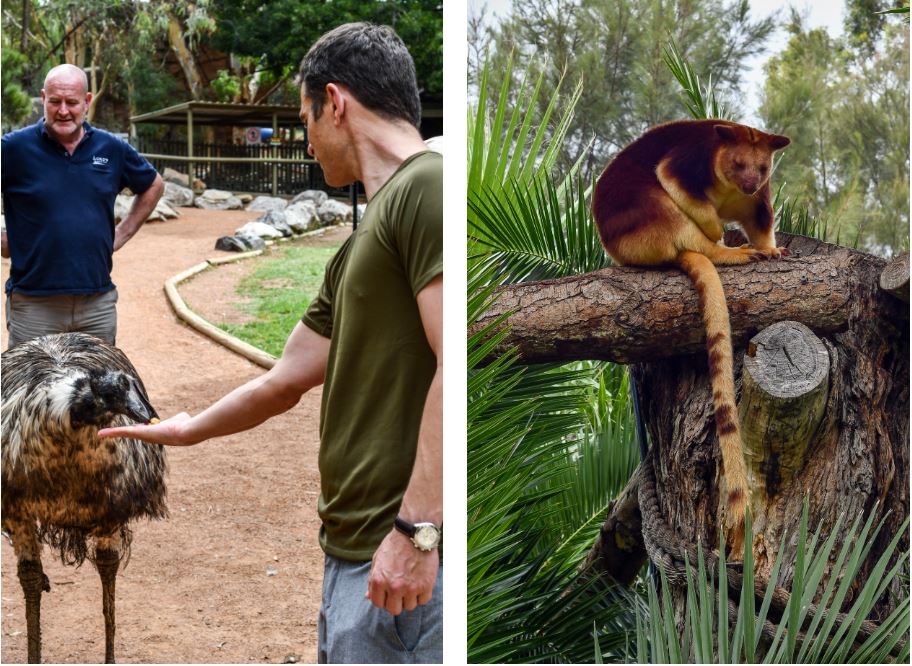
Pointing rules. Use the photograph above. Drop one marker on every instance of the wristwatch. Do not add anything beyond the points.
(425, 536)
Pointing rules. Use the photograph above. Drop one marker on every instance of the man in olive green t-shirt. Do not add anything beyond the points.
(373, 337)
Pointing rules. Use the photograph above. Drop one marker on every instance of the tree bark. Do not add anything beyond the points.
(184, 57)
(856, 459)
(23, 38)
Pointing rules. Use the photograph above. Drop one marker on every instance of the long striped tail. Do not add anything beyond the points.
(718, 346)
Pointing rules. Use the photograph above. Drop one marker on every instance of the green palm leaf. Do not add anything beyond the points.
(541, 469)
(796, 638)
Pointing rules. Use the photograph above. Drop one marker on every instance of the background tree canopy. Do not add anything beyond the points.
(144, 55)
(843, 101)
(280, 32)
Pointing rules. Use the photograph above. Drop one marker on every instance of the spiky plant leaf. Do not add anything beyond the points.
(797, 639)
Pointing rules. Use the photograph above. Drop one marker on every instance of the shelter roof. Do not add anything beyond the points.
(217, 113)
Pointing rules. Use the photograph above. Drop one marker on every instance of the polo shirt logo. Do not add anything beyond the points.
(99, 161)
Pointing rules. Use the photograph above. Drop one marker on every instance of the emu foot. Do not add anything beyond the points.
(34, 582)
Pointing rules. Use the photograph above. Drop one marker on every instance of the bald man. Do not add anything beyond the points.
(59, 180)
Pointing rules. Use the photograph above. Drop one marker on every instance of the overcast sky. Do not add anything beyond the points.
(820, 13)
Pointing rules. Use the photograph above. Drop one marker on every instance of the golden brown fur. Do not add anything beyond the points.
(664, 199)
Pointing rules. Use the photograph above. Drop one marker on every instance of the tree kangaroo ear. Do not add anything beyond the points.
(727, 133)
(777, 141)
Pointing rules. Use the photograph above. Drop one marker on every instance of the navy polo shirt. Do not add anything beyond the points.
(59, 208)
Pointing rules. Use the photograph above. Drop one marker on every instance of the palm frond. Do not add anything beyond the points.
(701, 102)
(535, 234)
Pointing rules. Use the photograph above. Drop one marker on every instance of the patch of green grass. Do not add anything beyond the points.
(284, 282)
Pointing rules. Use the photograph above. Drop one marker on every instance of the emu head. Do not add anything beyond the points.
(102, 394)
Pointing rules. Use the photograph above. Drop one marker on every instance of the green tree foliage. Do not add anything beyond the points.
(615, 47)
(125, 44)
(282, 31)
(16, 102)
(121, 43)
(227, 86)
(845, 105)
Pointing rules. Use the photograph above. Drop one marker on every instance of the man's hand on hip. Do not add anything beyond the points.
(401, 577)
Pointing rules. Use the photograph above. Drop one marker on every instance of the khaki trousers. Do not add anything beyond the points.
(30, 317)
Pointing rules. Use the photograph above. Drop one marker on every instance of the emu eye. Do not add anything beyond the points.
(739, 166)
(763, 168)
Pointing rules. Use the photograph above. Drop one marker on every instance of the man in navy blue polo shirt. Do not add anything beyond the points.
(59, 180)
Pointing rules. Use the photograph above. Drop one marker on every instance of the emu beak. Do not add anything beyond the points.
(137, 405)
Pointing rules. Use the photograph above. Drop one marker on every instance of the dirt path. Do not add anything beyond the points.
(234, 575)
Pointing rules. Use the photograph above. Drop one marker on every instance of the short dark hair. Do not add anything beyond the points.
(372, 62)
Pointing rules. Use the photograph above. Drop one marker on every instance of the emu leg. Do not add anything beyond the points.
(33, 581)
(107, 562)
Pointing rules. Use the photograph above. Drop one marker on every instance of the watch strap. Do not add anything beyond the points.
(405, 527)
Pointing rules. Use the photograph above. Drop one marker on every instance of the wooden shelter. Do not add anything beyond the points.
(195, 114)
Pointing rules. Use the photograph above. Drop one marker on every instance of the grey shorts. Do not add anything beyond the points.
(352, 630)
(30, 317)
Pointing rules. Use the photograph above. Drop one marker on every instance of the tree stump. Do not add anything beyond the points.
(784, 390)
(855, 460)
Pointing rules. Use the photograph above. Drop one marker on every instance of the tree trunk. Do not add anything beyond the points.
(95, 87)
(23, 38)
(854, 459)
(184, 57)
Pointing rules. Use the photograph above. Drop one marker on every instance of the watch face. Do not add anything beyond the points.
(426, 537)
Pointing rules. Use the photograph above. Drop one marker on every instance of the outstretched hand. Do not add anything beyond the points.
(401, 577)
(170, 431)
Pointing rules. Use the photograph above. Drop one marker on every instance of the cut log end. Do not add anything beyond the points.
(895, 277)
(788, 360)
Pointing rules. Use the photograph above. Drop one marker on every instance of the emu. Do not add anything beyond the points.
(62, 485)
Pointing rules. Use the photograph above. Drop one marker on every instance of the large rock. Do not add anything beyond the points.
(334, 212)
(276, 220)
(123, 203)
(217, 200)
(258, 229)
(302, 216)
(268, 203)
(170, 175)
(240, 243)
(177, 195)
(217, 195)
(162, 211)
(317, 196)
(251, 241)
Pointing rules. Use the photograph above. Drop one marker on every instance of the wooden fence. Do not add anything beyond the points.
(291, 178)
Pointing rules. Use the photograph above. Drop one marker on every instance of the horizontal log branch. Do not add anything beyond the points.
(627, 315)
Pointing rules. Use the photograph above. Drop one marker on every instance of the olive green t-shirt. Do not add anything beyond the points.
(380, 364)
